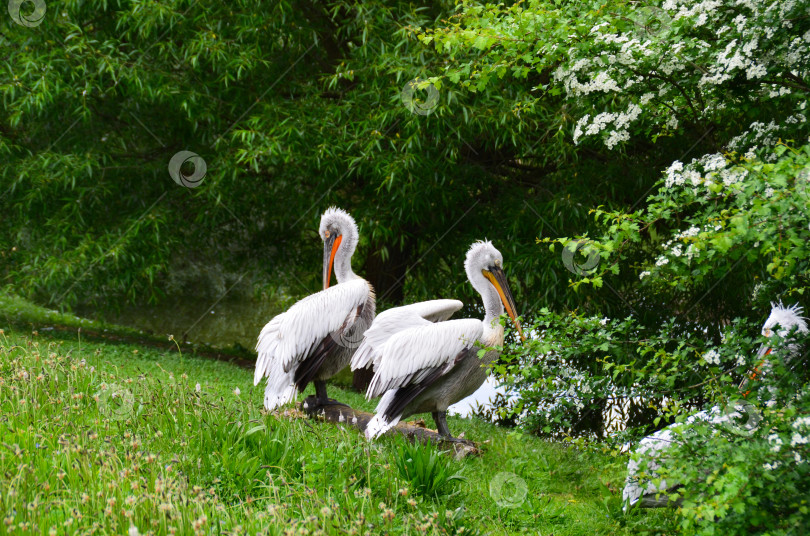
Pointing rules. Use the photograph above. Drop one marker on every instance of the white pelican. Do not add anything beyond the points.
(313, 340)
(428, 367)
(655, 446)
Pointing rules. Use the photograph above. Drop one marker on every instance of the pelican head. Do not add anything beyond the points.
(786, 318)
(339, 234)
(484, 267)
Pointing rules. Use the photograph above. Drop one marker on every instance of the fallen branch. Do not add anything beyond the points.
(414, 431)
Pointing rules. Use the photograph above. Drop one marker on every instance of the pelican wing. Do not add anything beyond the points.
(434, 310)
(398, 319)
(418, 356)
(289, 338)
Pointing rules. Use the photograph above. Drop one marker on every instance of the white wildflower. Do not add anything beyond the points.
(802, 422)
(798, 439)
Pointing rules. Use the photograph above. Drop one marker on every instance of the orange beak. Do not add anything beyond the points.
(330, 247)
(498, 280)
(763, 352)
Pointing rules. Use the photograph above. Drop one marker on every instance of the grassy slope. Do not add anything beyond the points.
(97, 437)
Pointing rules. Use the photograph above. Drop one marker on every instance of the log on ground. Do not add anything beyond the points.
(345, 415)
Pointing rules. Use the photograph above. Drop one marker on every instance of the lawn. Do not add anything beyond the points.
(120, 438)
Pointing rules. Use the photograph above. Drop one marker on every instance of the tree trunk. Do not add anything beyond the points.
(387, 276)
(388, 279)
(362, 378)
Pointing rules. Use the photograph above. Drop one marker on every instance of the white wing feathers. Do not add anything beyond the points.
(379, 424)
(412, 354)
(280, 388)
(397, 319)
(289, 337)
(434, 310)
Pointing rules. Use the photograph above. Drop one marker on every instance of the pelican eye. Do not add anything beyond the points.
(326, 234)
(498, 263)
(768, 332)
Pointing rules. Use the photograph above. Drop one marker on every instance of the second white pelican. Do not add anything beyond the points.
(429, 367)
(397, 319)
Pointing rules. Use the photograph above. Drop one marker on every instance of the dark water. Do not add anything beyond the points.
(233, 321)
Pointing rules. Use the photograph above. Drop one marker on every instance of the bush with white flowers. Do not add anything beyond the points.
(729, 223)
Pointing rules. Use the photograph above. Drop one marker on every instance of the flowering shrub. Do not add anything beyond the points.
(746, 472)
(720, 211)
(714, 215)
(722, 234)
(636, 68)
(614, 380)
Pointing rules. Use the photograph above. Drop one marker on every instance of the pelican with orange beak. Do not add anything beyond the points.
(316, 338)
(428, 366)
(781, 321)
(652, 451)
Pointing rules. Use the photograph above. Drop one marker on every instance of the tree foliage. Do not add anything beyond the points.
(294, 106)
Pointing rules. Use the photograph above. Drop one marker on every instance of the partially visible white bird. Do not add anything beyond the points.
(316, 337)
(654, 447)
(786, 318)
(397, 319)
(430, 366)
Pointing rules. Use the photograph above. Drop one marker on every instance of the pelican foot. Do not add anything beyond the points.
(313, 403)
(310, 404)
(329, 402)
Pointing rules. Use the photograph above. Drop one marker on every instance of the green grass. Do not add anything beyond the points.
(98, 437)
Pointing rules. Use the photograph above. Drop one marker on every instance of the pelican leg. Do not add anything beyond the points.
(320, 395)
(441, 424)
(320, 390)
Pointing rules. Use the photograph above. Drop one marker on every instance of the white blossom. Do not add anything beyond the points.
(712, 357)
